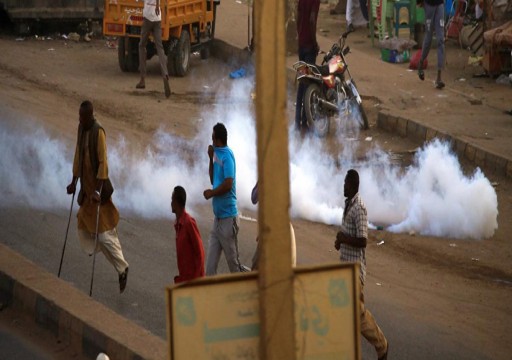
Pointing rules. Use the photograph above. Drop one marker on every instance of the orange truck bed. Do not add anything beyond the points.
(187, 25)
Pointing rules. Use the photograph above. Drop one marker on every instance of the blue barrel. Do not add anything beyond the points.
(448, 10)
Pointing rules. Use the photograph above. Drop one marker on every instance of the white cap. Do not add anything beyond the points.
(102, 356)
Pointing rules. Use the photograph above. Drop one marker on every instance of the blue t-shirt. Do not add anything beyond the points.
(224, 167)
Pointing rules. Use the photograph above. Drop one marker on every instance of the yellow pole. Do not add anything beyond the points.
(277, 337)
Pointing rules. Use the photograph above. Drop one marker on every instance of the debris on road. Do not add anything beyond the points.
(237, 74)
(380, 243)
(475, 101)
(453, 245)
(504, 80)
(73, 36)
(111, 44)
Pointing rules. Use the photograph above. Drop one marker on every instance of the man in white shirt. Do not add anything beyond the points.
(152, 24)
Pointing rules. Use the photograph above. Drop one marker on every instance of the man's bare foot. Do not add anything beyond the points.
(141, 85)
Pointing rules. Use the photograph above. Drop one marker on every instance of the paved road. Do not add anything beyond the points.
(15, 348)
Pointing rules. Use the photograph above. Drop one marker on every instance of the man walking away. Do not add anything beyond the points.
(189, 246)
(224, 235)
(434, 20)
(152, 24)
(90, 165)
(351, 242)
(307, 14)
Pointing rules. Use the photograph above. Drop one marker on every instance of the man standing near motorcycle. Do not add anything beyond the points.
(307, 14)
(434, 21)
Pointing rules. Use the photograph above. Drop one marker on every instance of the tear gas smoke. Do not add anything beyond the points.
(431, 197)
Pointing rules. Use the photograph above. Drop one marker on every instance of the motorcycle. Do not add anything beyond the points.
(330, 89)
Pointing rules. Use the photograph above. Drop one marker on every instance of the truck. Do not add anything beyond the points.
(187, 26)
(27, 13)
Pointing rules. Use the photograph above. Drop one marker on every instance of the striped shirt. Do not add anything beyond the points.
(355, 224)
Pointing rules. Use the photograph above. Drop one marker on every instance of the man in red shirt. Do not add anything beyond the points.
(307, 14)
(189, 246)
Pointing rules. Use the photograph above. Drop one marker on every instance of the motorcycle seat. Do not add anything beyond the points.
(324, 69)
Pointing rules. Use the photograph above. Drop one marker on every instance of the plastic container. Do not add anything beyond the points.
(449, 10)
(420, 15)
(393, 56)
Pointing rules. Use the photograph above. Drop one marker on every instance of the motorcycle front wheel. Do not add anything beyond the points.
(363, 121)
(317, 118)
(364, 118)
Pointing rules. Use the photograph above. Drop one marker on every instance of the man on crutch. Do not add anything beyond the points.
(97, 216)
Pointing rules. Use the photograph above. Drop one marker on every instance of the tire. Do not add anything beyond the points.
(364, 118)
(182, 55)
(318, 120)
(205, 51)
(171, 63)
(128, 54)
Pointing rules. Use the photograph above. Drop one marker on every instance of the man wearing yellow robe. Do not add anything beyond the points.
(91, 167)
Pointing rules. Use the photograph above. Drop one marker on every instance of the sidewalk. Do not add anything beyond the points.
(469, 111)
(77, 320)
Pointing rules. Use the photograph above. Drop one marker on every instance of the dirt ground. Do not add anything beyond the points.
(460, 290)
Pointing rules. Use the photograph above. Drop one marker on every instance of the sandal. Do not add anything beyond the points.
(123, 279)
(421, 74)
(439, 84)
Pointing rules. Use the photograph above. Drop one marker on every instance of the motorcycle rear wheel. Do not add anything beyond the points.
(317, 118)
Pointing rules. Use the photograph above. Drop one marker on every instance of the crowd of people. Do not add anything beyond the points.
(98, 216)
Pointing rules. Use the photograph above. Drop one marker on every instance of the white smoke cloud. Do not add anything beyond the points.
(431, 197)
(32, 168)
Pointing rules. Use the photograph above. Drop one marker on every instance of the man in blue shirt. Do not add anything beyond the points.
(224, 234)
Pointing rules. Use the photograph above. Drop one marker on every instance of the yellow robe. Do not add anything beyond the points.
(109, 216)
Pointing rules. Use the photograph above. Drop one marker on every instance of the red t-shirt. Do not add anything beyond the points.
(304, 27)
(189, 249)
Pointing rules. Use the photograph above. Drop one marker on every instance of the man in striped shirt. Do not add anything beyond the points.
(351, 242)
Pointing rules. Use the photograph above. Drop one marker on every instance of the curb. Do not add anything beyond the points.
(230, 54)
(386, 120)
(415, 130)
(70, 315)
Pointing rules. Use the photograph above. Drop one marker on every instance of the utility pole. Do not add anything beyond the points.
(275, 279)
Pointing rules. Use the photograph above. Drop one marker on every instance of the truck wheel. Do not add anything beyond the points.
(183, 54)
(205, 51)
(128, 54)
(171, 57)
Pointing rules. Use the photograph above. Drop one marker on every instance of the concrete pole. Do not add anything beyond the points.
(277, 321)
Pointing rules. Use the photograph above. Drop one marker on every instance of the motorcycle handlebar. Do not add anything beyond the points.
(346, 33)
